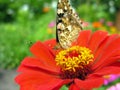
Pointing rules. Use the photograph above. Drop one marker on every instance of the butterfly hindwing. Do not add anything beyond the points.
(68, 24)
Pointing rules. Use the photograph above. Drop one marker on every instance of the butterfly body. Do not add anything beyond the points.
(68, 24)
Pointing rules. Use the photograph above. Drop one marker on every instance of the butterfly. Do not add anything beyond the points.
(68, 24)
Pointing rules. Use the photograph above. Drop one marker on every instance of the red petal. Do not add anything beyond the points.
(116, 63)
(109, 70)
(96, 39)
(43, 53)
(38, 64)
(54, 84)
(73, 87)
(111, 50)
(51, 43)
(89, 83)
(104, 44)
(83, 38)
(39, 81)
(109, 61)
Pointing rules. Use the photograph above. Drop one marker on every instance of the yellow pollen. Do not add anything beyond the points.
(73, 58)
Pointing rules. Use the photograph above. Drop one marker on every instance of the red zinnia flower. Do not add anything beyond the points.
(81, 67)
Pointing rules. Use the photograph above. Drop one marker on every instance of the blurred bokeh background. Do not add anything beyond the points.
(23, 22)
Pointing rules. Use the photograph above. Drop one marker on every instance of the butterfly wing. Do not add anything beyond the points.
(68, 24)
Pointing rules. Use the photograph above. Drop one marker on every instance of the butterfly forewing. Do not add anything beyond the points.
(68, 24)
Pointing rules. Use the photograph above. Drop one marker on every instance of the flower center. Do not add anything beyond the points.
(74, 61)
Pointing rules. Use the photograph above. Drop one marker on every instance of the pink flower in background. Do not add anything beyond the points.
(115, 87)
(109, 23)
(85, 24)
(102, 20)
(110, 78)
(51, 24)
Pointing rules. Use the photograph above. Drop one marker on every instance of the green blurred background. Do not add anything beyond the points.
(23, 22)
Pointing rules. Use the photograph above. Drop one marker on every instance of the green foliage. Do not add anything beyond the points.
(93, 13)
(9, 9)
(16, 38)
(114, 3)
(64, 88)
